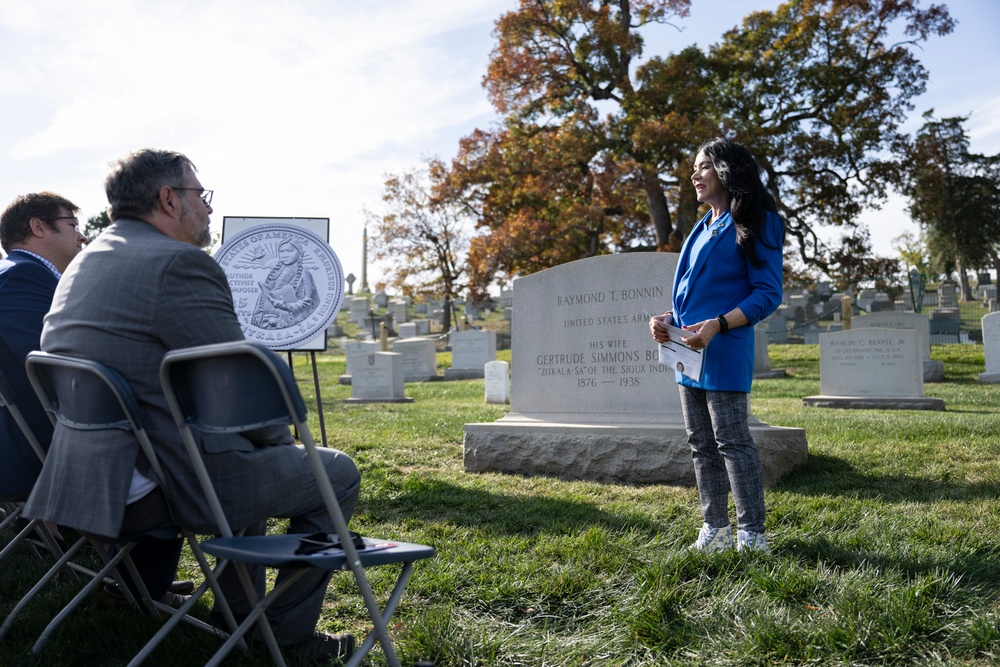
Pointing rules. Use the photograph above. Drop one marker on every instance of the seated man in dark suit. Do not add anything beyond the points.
(142, 288)
(41, 235)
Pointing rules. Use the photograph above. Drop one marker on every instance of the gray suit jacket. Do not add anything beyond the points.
(128, 298)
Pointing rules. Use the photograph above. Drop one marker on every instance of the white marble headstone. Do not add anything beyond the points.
(377, 376)
(497, 376)
(472, 349)
(991, 348)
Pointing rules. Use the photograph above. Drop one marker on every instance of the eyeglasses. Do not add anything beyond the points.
(203, 194)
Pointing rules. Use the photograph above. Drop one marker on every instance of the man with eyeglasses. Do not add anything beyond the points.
(40, 234)
(142, 288)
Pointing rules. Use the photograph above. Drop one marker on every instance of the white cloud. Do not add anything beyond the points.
(300, 107)
(291, 108)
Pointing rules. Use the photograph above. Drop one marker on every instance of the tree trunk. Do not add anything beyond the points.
(963, 279)
(687, 207)
(659, 213)
(446, 323)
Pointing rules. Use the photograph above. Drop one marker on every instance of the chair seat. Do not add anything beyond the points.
(279, 550)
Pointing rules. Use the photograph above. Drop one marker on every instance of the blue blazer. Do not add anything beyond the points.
(26, 289)
(714, 275)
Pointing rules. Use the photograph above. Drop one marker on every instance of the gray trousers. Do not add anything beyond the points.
(293, 615)
(725, 457)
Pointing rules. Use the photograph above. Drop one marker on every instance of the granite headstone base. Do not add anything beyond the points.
(464, 373)
(989, 378)
(874, 402)
(612, 453)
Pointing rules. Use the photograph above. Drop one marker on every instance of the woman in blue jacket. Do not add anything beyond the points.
(728, 278)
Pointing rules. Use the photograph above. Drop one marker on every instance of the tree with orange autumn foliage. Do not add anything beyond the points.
(422, 234)
(592, 153)
(818, 89)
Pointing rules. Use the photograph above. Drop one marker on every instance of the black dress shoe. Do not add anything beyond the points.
(185, 587)
(111, 596)
(322, 648)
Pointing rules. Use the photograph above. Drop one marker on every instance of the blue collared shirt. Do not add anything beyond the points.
(49, 265)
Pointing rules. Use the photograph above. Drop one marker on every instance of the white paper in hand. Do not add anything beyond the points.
(679, 356)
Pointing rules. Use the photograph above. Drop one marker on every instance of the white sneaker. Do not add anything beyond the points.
(713, 539)
(750, 541)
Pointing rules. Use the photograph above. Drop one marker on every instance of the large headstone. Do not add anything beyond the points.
(933, 370)
(419, 359)
(377, 377)
(408, 330)
(471, 350)
(870, 369)
(991, 348)
(589, 399)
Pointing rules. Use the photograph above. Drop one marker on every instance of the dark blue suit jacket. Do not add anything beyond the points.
(26, 289)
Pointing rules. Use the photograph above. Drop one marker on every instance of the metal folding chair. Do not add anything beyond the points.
(13, 504)
(85, 395)
(34, 533)
(234, 387)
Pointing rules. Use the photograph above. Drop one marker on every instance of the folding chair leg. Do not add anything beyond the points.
(17, 539)
(11, 512)
(258, 617)
(108, 570)
(165, 629)
(211, 581)
(387, 612)
(51, 574)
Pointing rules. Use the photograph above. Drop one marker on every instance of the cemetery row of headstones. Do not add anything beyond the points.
(803, 316)
(588, 398)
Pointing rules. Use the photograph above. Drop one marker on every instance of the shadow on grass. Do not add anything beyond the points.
(828, 475)
(441, 501)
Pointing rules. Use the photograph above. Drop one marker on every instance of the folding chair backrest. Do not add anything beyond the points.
(233, 387)
(228, 388)
(87, 395)
(8, 401)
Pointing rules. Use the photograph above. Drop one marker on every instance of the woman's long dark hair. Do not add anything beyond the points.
(740, 175)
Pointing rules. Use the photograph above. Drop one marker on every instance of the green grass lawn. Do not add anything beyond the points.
(886, 545)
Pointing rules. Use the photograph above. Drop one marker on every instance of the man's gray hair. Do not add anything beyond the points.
(133, 186)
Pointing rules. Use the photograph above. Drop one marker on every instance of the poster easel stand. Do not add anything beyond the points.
(319, 399)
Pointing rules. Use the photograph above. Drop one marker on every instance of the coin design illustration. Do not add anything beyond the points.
(287, 283)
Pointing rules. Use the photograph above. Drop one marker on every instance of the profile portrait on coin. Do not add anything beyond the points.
(288, 295)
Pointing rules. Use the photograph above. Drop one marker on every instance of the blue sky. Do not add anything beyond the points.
(300, 108)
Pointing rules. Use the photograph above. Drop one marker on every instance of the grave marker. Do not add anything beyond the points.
(871, 368)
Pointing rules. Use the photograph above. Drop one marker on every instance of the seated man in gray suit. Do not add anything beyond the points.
(142, 288)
